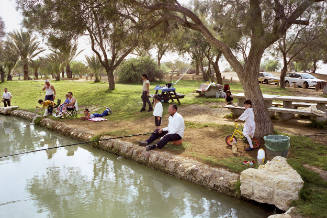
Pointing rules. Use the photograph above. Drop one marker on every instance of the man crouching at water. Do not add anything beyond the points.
(174, 131)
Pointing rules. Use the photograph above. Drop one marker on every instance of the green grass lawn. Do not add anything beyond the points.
(125, 100)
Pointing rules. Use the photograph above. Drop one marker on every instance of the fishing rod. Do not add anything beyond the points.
(73, 144)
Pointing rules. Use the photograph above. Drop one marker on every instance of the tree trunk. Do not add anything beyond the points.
(111, 78)
(25, 67)
(58, 76)
(62, 74)
(9, 76)
(283, 73)
(159, 59)
(36, 74)
(252, 91)
(217, 70)
(314, 67)
(197, 67)
(69, 72)
(2, 74)
(97, 77)
(204, 73)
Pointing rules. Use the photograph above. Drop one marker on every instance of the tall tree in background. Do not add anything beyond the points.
(2, 34)
(111, 27)
(26, 47)
(264, 22)
(95, 66)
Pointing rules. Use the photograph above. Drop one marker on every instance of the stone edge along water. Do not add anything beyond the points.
(218, 179)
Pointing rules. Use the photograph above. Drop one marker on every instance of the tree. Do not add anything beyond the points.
(26, 47)
(264, 22)
(79, 68)
(95, 66)
(112, 28)
(271, 65)
(2, 33)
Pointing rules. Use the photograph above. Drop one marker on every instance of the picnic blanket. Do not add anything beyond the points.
(97, 119)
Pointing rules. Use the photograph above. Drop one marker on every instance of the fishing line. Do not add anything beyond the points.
(74, 144)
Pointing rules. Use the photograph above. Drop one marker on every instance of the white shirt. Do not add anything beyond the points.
(176, 125)
(145, 82)
(6, 95)
(157, 112)
(249, 126)
(49, 90)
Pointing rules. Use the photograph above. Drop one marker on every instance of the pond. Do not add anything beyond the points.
(81, 181)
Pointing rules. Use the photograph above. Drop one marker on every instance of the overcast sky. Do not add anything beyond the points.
(13, 20)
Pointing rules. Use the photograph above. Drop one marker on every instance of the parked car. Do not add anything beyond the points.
(267, 78)
(303, 80)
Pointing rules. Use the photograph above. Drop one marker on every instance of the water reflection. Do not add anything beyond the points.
(84, 182)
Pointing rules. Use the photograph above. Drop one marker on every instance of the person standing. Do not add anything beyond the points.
(174, 131)
(6, 98)
(157, 112)
(146, 93)
(50, 92)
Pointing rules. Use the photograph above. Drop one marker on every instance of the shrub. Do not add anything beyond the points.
(131, 70)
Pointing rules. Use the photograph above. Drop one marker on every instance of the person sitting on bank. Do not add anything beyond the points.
(146, 93)
(157, 112)
(88, 115)
(249, 126)
(229, 97)
(72, 101)
(174, 131)
(48, 106)
(6, 98)
(50, 92)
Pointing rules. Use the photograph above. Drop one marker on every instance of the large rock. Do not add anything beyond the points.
(275, 183)
(291, 213)
(7, 110)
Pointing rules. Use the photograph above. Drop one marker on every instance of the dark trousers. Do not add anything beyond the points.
(49, 97)
(104, 113)
(157, 121)
(145, 99)
(166, 138)
(6, 102)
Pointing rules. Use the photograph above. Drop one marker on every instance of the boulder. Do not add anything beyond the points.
(291, 213)
(7, 110)
(275, 183)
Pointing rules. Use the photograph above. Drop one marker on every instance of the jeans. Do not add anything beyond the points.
(104, 113)
(6, 102)
(145, 99)
(165, 138)
(157, 121)
(49, 97)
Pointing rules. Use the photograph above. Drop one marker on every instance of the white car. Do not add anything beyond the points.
(304, 80)
(267, 78)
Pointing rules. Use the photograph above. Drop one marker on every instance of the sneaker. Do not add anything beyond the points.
(150, 147)
(109, 110)
(142, 110)
(143, 143)
(150, 109)
(249, 149)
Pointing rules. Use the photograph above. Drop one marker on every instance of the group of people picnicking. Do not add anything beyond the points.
(173, 132)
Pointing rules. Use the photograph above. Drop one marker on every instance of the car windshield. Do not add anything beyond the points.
(308, 76)
(269, 74)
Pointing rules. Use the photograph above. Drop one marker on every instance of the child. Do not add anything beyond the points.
(63, 107)
(249, 126)
(49, 105)
(157, 113)
(88, 115)
(229, 97)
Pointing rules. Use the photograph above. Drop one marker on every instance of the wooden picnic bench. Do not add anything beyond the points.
(289, 106)
(168, 94)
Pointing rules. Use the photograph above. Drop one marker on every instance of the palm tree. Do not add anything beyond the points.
(26, 47)
(94, 65)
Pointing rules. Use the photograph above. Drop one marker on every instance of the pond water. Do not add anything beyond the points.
(81, 181)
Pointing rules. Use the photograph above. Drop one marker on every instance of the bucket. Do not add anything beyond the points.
(276, 145)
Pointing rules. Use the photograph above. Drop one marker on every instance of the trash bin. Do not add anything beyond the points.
(276, 145)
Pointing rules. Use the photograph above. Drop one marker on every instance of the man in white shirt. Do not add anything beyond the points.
(174, 131)
(6, 98)
(146, 93)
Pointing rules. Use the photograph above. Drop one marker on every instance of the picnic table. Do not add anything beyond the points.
(289, 104)
(167, 94)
